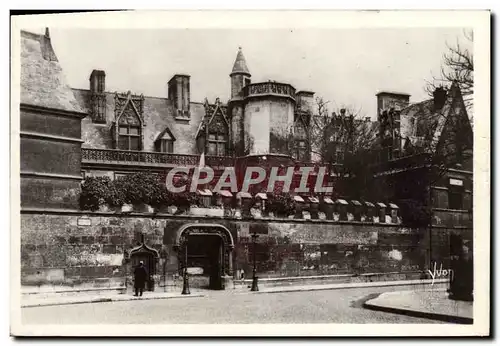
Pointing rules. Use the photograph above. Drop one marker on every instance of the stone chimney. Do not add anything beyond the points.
(392, 100)
(180, 96)
(98, 96)
(97, 81)
(439, 97)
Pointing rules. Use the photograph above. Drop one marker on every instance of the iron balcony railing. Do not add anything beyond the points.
(110, 156)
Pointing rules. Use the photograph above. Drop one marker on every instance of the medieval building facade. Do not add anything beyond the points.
(128, 132)
(69, 134)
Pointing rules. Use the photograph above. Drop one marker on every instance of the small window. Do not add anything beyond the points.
(455, 198)
(221, 149)
(134, 143)
(123, 130)
(211, 136)
(167, 146)
(212, 148)
(134, 131)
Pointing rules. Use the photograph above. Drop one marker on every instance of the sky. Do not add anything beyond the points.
(346, 67)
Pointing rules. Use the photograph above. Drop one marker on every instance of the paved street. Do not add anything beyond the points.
(330, 306)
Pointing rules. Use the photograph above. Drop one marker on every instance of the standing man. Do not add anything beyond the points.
(140, 277)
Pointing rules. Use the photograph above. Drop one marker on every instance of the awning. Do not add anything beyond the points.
(370, 204)
(225, 193)
(356, 203)
(328, 200)
(393, 206)
(313, 200)
(381, 205)
(205, 192)
(298, 199)
(261, 195)
(342, 201)
(243, 195)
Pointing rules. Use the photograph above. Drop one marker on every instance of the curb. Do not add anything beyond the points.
(107, 300)
(354, 285)
(420, 314)
(245, 292)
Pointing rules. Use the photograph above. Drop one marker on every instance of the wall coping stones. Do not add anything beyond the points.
(189, 218)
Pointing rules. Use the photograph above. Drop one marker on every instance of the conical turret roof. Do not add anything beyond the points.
(240, 64)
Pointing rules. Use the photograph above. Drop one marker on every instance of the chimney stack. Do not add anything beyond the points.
(98, 96)
(97, 81)
(439, 97)
(179, 94)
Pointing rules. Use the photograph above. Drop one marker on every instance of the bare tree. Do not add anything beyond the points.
(341, 140)
(457, 66)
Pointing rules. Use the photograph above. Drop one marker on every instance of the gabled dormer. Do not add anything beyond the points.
(213, 133)
(165, 142)
(127, 129)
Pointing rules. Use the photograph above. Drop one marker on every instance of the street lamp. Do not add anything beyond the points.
(185, 281)
(255, 285)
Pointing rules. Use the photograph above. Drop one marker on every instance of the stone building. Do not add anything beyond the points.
(66, 132)
(129, 132)
(50, 120)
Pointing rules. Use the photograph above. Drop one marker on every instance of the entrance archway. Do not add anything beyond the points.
(147, 255)
(208, 247)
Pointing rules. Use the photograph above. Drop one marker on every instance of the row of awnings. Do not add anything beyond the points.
(300, 199)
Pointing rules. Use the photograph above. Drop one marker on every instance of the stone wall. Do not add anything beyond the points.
(76, 247)
(50, 158)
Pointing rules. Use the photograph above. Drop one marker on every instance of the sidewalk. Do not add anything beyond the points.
(48, 300)
(35, 300)
(431, 304)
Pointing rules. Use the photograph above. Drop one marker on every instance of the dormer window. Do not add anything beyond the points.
(167, 146)
(129, 137)
(164, 143)
(217, 144)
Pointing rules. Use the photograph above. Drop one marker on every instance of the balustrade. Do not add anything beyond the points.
(145, 157)
(269, 88)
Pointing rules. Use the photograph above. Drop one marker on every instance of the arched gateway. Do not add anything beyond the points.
(206, 246)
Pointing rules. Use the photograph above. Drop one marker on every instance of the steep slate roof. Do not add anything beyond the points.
(425, 131)
(43, 82)
(158, 114)
(240, 64)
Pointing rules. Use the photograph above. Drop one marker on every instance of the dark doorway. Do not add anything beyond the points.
(149, 257)
(205, 252)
